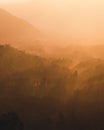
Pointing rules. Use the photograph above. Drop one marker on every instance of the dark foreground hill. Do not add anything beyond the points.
(46, 94)
(33, 86)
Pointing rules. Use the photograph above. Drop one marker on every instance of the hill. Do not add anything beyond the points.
(45, 91)
(18, 69)
(17, 32)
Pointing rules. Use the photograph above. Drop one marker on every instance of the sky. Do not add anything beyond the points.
(13, 1)
(76, 19)
(57, 1)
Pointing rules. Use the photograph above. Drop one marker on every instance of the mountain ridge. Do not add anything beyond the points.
(17, 32)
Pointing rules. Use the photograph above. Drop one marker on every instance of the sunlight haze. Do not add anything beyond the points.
(80, 20)
(51, 64)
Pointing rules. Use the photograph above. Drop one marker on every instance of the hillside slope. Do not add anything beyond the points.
(17, 32)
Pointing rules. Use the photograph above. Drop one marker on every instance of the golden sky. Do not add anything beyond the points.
(69, 1)
(13, 1)
(71, 18)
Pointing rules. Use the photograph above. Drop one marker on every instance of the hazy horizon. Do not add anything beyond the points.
(51, 65)
(78, 20)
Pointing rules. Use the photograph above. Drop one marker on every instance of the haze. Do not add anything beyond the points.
(75, 19)
(51, 65)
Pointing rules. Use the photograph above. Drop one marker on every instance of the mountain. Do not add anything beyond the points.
(43, 90)
(18, 32)
(13, 61)
(32, 72)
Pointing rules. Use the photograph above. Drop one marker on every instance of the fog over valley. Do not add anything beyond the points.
(51, 65)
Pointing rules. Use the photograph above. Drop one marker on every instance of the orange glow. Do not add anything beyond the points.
(69, 19)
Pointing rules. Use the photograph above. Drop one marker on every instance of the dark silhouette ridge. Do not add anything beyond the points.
(49, 94)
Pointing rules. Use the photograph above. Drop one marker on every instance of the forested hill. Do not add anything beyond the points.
(18, 69)
(47, 93)
(13, 60)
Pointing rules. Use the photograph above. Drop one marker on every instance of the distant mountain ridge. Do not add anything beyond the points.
(16, 31)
